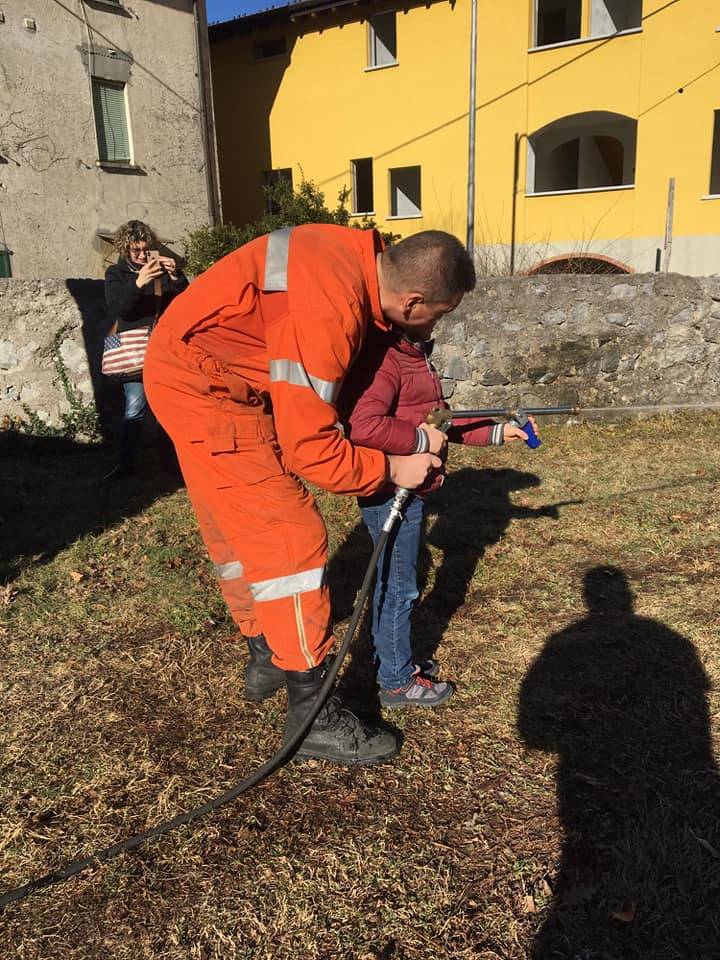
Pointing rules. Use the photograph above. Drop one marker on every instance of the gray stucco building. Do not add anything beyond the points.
(105, 116)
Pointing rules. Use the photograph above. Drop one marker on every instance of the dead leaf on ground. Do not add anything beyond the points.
(77, 577)
(529, 905)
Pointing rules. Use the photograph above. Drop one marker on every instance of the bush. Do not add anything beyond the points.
(289, 207)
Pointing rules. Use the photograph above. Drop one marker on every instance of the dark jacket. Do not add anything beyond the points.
(389, 392)
(129, 306)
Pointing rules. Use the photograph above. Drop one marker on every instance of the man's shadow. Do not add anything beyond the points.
(472, 510)
(621, 699)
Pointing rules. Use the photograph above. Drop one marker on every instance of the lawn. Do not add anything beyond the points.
(564, 804)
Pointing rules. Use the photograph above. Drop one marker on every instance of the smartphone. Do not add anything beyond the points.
(157, 282)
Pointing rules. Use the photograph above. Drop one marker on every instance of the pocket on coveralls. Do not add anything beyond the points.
(240, 452)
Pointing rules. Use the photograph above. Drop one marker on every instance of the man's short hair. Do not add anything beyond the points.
(431, 262)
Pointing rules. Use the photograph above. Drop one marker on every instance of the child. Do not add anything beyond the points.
(388, 394)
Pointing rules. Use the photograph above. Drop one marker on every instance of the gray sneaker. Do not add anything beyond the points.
(420, 691)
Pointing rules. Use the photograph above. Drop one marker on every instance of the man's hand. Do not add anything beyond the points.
(151, 271)
(511, 432)
(438, 440)
(411, 472)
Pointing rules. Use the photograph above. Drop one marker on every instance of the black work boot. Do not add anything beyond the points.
(262, 677)
(337, 734)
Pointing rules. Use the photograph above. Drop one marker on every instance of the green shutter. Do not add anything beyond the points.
(5, 269)
(111, 120)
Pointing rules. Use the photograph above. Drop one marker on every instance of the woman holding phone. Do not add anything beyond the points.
(138, 288)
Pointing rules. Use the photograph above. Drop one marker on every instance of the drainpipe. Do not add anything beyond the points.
(470, 241)
(207, 120)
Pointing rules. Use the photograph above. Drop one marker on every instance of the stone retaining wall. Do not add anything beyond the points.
(593, 340)
(596, 340)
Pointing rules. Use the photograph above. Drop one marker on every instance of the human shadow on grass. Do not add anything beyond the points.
(621, 699)
(472, 511)
(50, 495)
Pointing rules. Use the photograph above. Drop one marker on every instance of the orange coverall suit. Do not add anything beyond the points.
(243, 371)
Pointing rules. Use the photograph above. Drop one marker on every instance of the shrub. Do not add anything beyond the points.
(286, 208)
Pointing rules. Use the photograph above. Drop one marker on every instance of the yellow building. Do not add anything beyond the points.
(585, 111)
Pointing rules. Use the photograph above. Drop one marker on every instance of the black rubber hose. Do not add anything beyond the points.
(268, 768)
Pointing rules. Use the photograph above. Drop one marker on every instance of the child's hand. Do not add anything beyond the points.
(511, 432)
(438, 440)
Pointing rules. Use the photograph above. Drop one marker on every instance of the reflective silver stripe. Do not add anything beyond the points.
(279, 587)
(290, 371)
(229, 571)
(276, 260)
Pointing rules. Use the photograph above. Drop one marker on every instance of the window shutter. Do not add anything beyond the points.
(111, 120)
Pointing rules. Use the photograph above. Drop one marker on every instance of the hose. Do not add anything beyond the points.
(267, 769)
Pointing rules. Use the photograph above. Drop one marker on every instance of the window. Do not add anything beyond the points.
(557, 21)
(405, 192)
(264, 49)
(5, 267)
(382, 40)
(362, 185)
(613, 16)
(715, 161)
(585, 151)
(111, 123)
(271, 178)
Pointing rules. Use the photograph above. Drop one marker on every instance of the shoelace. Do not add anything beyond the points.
(418, 679)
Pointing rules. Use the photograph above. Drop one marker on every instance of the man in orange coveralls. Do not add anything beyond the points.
(243, 372)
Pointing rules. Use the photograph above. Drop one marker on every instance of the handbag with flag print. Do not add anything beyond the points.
(124, 353)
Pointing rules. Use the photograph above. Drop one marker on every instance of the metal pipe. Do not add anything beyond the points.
(470, 240)
(511, 412)
(574, 410)
(207, 124)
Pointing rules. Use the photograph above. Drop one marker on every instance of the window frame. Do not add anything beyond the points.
(356, 211)
(714, 158)
(406, 216)
(372, 34)
(262, 58)
(268, 182)
(589, 37)
(5, 254)
(111, 161)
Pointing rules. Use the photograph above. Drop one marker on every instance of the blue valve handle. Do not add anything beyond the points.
(521, 420)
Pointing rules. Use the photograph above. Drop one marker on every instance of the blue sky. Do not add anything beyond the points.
(227, 9)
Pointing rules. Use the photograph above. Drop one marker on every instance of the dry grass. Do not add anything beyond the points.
(565, 804)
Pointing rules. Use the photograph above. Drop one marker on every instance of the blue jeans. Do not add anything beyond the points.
(396, 587)
(135, 402)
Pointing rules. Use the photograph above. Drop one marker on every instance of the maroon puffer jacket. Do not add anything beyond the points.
(388, 393)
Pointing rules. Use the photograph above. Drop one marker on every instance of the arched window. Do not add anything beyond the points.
(579, 263)
(584, 151)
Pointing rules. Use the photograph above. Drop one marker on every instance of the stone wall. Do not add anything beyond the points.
(591, 340)
(34, 316)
